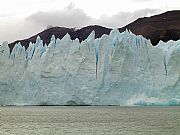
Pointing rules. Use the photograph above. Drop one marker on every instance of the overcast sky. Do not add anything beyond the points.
(21, 19)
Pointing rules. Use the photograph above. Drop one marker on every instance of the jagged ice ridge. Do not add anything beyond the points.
(116, 69)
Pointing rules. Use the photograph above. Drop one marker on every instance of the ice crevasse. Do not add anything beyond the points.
(116, 69)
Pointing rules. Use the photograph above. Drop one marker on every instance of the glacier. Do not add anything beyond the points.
(116, 69)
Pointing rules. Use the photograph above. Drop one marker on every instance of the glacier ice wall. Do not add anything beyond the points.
(116, 69)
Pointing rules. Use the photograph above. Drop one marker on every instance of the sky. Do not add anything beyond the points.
(21, 19)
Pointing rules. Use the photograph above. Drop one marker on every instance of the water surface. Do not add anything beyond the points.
(105, 120)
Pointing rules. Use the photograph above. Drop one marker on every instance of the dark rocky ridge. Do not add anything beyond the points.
(60, 32)
(165, 26)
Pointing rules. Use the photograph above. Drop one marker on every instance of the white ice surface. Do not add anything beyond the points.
(116, 69)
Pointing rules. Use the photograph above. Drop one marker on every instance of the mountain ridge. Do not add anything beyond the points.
(164, 26)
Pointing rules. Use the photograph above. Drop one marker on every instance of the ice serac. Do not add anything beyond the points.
(116, 69)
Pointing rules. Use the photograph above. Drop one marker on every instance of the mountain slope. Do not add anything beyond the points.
(60, 32)
(165, 26)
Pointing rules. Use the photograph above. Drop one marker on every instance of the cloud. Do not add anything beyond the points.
(74, 17)
(17, 29)
(123, 18)
(141, 0)
(68, 17)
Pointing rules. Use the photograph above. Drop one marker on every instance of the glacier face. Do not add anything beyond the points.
(116, 69)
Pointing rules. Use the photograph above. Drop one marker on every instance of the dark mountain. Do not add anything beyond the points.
(60, 32)
(165, 26)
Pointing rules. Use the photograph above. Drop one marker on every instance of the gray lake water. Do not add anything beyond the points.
(105, 120)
